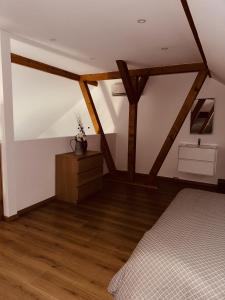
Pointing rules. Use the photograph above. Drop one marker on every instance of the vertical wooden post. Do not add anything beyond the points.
(177, 125)
(132, 133)
(97, 125)
(134, 88)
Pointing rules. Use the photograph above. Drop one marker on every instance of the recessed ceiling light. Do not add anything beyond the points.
(52, 39)
(141, 21)
(164, 48)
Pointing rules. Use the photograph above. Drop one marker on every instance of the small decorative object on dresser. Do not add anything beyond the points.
(79, 140)
(78, 176)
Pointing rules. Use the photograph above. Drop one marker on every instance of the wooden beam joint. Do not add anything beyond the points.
(129, 85)
(134, 87)
(154, 71)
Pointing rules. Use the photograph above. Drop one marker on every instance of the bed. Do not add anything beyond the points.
(182, 256)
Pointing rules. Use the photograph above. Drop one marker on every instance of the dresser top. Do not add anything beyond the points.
(79, 157)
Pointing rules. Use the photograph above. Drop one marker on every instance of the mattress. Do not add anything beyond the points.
(182, 256)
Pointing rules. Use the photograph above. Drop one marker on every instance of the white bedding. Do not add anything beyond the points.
(182, 256)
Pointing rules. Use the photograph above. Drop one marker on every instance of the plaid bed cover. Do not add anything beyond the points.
(182, 256)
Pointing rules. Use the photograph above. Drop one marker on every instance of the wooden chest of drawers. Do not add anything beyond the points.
(78, 176)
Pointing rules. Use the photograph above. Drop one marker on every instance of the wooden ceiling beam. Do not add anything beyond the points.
(97, 125)
(196, 87)
(30, 63)
(175, 69)
(195, 32)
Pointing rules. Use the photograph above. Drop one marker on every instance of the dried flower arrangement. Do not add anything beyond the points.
(80, 139)
(81, 135)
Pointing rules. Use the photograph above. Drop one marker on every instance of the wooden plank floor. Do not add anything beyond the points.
(60, 251)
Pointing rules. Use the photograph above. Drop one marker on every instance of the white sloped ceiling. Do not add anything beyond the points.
(98, 31)
(209, 18)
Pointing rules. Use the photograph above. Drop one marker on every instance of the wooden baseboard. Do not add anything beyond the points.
(28, 209)
(187, 182)
(11, 218)
(142, 180)
(221, 185)
(34, 206)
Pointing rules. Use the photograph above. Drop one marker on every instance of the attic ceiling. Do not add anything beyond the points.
(97, 32)
(209, 18)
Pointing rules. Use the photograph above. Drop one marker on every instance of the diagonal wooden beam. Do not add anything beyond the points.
(34, 64)
(195, 32)
(134, 87)
(130, 88)
(97, 125)
(164, 70)
(177, 125)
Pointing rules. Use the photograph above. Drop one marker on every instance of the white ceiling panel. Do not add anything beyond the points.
(98, 32)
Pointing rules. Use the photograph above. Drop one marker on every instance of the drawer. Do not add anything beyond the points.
(197, 153)
(88, 189)
(85, 177)
(196, 167)
(89, 163)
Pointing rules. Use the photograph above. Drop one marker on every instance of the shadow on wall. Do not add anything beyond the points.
(108, 100)
(119, 110)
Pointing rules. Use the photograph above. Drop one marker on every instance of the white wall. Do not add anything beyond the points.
(7, 149)
(34, 167)
(39, 99)
(45, 105)
(29, 165)
(112, 111)
(158, 108)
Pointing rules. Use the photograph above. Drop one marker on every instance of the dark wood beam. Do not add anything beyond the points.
(142, 84)
(175, 69)
(132, 136)
(97, 125)
(30, 63)
(130, 88)
(177, 125)
(195, 32)
(134, 87)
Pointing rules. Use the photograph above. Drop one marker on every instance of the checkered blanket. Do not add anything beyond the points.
(182, 256)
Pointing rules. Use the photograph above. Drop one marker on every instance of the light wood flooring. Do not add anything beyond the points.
(60, 251)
